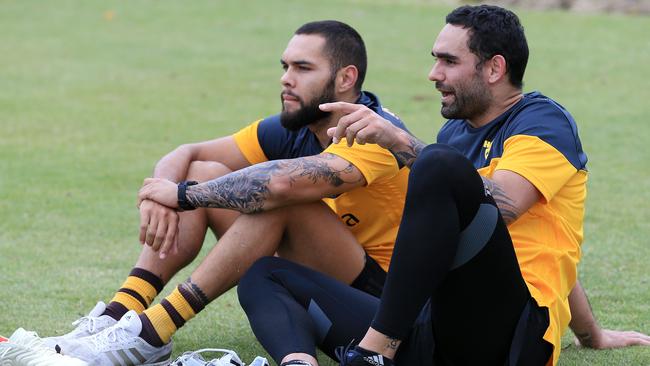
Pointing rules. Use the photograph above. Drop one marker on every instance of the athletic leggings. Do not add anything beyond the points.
(454, 281)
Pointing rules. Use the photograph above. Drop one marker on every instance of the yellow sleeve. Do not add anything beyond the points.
(247, 141)
(537, 161)
(373, 161)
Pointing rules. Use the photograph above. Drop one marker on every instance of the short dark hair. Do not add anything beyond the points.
(343, 46)
(494, 31)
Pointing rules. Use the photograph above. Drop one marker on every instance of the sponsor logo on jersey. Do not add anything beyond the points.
(350, 219)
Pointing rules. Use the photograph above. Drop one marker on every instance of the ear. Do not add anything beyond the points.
(496, 68)
(346, 77)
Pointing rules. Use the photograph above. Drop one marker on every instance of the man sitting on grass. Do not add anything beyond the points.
(462, 288)
(280, 188)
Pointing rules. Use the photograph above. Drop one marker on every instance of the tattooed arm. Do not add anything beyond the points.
(362, 125)
(264, 186)
(587, 331)
(407, 148)
(512, 193)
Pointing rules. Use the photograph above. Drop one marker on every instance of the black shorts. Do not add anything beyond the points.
(528, 347)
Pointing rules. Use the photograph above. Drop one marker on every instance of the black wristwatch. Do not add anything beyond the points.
(183, 203)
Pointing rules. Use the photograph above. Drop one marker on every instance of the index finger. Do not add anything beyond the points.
(144, 223)
(343, 107)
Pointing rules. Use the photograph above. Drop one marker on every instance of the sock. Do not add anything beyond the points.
(137, 293)
(161, 321)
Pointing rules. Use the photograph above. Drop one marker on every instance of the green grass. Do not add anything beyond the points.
(88, 105)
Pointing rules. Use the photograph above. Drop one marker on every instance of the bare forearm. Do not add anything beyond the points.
(583, 323)
(507, 206)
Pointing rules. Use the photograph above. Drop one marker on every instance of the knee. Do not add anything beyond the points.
(250, 284)
(206, 170)
(439, 162)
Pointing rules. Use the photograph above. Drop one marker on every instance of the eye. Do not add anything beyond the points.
(445, 60)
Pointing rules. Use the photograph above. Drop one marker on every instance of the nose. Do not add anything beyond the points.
(436, 74)
(286, 80)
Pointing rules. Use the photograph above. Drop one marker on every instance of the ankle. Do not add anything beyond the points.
(115, 310)
(148, 332)
(299, 359)
(375, 341)
(297, 363)
(359, 356)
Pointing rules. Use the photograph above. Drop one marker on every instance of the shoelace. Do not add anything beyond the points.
(88, 322)
(107, 336)
(341, 351)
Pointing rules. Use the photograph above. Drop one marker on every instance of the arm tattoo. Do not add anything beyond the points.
(506, 205)
(317, 170)
(392, 343)
(406, 155)
(244, 190)
(247, 190)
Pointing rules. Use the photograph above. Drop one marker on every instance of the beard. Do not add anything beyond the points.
(307, 113)
(470, 99)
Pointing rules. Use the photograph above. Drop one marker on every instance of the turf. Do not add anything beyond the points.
(93, 93)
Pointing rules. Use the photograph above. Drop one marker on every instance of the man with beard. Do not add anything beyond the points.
(484, 288)
(277, 187)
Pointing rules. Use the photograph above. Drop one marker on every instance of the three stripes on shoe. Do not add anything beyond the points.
(123, 355)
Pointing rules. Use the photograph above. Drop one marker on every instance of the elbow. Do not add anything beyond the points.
(266, 197)
(186, 150)
(280, 190)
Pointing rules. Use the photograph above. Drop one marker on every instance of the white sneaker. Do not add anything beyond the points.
(118, 345)
(195, 359)
(25, 348)
(259, 361)
(90, 324)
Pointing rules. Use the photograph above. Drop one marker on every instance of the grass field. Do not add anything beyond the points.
(92, 93)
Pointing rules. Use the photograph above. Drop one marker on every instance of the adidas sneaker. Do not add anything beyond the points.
(118, 345)
(88, 325)
(25, 348)
(357, 356)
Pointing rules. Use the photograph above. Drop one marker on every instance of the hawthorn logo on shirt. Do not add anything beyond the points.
(350, 219)
(487, 145)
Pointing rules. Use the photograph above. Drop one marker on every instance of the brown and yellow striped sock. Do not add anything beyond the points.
(161, 321)
(137, 293)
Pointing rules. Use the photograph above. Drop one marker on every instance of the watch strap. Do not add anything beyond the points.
(183, 203)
